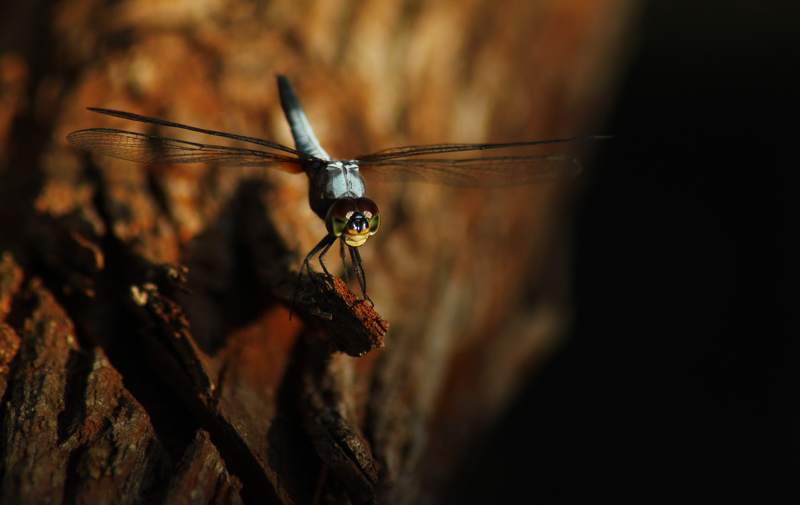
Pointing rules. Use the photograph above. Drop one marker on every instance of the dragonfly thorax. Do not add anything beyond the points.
(338, 179)
(353, 220)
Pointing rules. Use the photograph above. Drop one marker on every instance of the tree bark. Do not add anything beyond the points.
(146, 349)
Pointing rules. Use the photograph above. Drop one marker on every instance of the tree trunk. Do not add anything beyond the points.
(146, 349)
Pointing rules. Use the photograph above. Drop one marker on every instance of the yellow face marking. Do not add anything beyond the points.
(355, 240)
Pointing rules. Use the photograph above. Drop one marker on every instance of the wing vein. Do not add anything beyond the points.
(476, 172)
(144, 148)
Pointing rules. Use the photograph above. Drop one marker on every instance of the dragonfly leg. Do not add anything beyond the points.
(323, 246)
(344, 262)
(325, 251)
(358, 266)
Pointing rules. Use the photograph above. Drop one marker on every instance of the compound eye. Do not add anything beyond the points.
(366, 207)
(370, 211)
(338, 215)
(343, 208)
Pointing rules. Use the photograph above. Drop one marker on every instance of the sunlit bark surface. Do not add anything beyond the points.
(146, 350)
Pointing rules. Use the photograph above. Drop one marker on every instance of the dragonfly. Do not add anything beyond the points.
(337, 193)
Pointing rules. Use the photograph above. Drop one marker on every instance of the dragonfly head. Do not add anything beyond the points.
(353, 220)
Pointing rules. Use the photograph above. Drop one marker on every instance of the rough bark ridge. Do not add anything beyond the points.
(146, 351)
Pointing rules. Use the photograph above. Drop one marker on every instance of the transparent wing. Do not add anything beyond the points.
(163, 122)
(405, 152)
(143, 148)
(474, 173)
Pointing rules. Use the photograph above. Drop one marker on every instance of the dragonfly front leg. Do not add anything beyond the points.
(320, 249)
(323, 246)
(358, 266)
(324, 252)
(344, 262)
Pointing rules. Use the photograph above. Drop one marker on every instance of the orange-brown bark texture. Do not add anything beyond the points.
(146, 349)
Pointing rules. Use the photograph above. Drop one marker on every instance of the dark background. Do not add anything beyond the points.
(680, 380)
